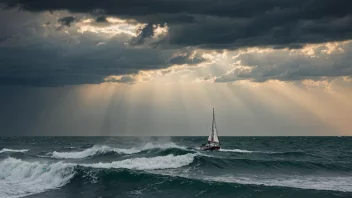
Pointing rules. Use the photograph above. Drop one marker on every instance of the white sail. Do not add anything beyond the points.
(213, 137)
(210, 139)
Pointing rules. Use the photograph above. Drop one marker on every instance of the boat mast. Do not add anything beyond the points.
(212, 127)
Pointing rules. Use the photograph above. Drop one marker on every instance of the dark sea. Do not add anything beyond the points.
(251, 167)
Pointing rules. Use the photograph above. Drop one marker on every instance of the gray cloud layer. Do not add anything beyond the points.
(290, 65)
(34, 52)
(44, 51)
(224, 24)
(83, 64)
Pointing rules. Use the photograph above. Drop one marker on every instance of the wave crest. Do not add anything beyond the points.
(95, 150)
(98, 150)
(4, 150)
(20, 178)
(143, 163)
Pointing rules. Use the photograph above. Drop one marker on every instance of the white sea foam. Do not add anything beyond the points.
(247, 151)
(143, 163)
(13, 150)
(20, 178)
(236, 150)
(96, 150)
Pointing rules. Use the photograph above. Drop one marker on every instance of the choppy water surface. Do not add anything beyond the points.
(56, 167)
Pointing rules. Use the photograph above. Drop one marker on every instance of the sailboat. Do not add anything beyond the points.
(213, 139)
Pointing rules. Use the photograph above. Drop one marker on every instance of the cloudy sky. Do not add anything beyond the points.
(158, 67)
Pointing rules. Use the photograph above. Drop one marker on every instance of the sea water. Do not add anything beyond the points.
(92, 167)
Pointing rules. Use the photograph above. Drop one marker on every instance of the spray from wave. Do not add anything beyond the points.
(4, 150)
(168, 145)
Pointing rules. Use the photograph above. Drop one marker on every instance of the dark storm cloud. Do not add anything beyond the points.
(101, 19)
(66, 21)
(186, 58)
(34, 55)
(58, 66)
(143, 33)
(226, 23)
(28, 57)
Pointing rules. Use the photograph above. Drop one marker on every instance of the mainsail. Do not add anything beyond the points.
(213, 137)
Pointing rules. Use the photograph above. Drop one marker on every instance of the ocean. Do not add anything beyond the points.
(245, 167)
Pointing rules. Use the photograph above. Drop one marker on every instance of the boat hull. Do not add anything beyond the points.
(210, 148)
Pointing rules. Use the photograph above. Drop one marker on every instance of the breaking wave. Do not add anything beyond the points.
(95, 150)
(102, 149)
(143, 163)
(4, 150)
(20, 178)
